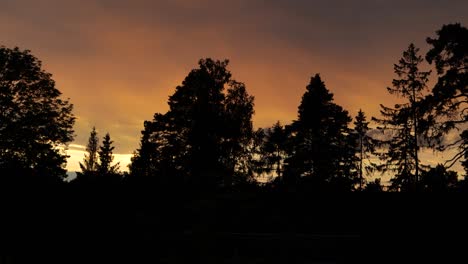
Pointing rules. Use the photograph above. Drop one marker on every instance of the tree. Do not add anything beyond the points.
(274, 149)
(160, 154)
(398, 143)
(206, 134)
(143, 158)
(106, 158)
(439, 179)
(374, 186)
(365, 146)
(35, 123)
(238, 138)
(403, 120)
(321, 152)
(90, 163)
(448, 101)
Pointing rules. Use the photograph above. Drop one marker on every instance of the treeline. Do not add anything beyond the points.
(206, 140)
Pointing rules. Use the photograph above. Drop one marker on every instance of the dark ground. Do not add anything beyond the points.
(121, 226)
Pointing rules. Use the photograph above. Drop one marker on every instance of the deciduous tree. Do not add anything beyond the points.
(36, 124)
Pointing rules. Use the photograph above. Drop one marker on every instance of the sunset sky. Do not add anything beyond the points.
(119, 60)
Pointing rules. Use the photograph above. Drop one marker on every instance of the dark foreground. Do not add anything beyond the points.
(73, 225)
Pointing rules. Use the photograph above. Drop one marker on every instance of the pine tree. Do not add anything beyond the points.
(90, 162)
(365, 146)
(401, 122)
(321, 153)
(106, 158)
(448, 101)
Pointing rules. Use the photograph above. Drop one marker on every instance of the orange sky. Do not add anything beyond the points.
(119, 60)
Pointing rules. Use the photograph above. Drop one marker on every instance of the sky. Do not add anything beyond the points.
(119, 60)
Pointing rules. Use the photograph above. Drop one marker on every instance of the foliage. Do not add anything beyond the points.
(365, 147)
(105, 167)
(320, 136)
(91, 159)
(439, 179)
(374, 186)
(206, 134)
(401, 122)
(448, 101)
(35, 123)
(274, 150)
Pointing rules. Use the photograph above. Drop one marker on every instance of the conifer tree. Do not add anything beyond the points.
(91, 160)
(106, 158)
(448, 101)
(321, 153)
(401, 123)
(365, 146)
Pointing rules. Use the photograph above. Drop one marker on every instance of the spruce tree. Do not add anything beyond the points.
(401, 123)
(365, 147)
(321, 153)
(106, 158)
(90, 163)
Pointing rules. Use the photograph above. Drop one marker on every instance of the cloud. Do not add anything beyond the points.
(76, 147)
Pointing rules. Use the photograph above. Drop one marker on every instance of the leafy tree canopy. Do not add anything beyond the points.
(35, 122)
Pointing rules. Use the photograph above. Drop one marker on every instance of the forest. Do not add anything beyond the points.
(204, 180)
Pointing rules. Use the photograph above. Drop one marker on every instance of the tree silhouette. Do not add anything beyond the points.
(207, 132)
(160, 153)
(321, 150)
(438, 179)
(448, 102)
(274, 149)
(142, 162)
(35, 123)
(90, 164)
(374, 186)
(366, 146)
(402, 120)
(105, 167)
(237, 135)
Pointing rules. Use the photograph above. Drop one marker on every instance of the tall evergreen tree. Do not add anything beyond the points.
(91, 160)
(402, 121)
(105, 167)
(365, 146)
(397, 143)
(321, 153)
